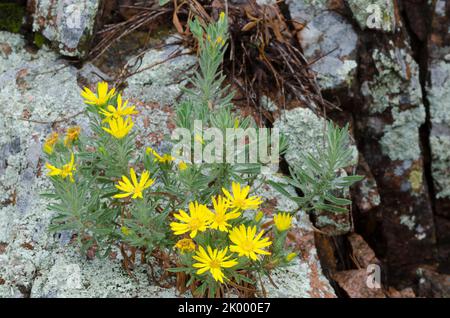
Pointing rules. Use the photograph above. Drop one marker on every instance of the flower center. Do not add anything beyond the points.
(220, 218)
(247, 245)
(195, 224)
(214, 264)
(66, 170)
(137, 189)
(239, 202)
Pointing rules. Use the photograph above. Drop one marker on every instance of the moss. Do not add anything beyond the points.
(39, 40)
(11, 17)
(415, 178)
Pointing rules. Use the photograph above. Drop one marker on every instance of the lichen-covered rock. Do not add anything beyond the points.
(438, 95)
(68, 24)
(328, 41)
(392, 113)
(159, 82)
(376, 14)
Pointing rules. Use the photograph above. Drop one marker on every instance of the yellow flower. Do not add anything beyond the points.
(166, 158)
(182, 165)
(198, 219)
(222, 16)
(221, 217)
(126, 231)
(220, 40)
(134, 187)
(291, 256)
(199, 138)
(121, 110)
(185, 245)
(236, 123)
(50, 142)
(72, 135)
(119, 128)
(102, 96)
(66, 170)
(259, 216)
(239, 198)
(283, 221)
(246, 243)
(213, 261)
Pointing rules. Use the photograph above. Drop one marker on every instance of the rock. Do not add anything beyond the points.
(70, 276)
(328, 41)
(68, 24)
(388, 124)
(361, 251)
(354, 283)
(156, 81)
(438, 96)
(433, 284)
(376, 14)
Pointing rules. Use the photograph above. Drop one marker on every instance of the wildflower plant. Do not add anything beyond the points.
(202, 220)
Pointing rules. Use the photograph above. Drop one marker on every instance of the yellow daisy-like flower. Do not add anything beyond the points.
(134, 187)
(126, 231)
(221, 215)
(101, 98)
(259, 216)
(185, 245)
(66, 170)
(222, 16)
(166, 158)
(122, 110)
(182, 165)
(50, 142)
(239, 200)
(247, 243)
(71, 135)
(282, 221)
(213, 261)
(199, 139)
(220, 41)
(290, 257)
(119, 127)
(198, 220)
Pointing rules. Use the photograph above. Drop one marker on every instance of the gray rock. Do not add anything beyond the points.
(328, 41)
(375, 14)
(68, 24)
(160, 82)
(439, 99)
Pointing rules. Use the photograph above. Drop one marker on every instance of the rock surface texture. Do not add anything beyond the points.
(67, 24)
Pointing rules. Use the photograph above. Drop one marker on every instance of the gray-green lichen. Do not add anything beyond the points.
(160, 82)
(68, 24)
(440, 147)
(329, 42)
(396, 86)
(439, 101)
(374, 14)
